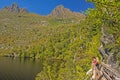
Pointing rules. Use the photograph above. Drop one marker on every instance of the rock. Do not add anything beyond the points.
(23, 10)
(61, 12)
(109, 51)
(14, 8)
(107, 38)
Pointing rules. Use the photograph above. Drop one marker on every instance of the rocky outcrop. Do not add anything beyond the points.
(23, 10)
(107, 50)
(61, 12)
(15, 8)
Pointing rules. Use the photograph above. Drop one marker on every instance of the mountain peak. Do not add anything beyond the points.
(14, 5)
(14, 8)
(60, 6)
(62, 12)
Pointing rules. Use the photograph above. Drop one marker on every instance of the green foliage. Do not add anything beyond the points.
(107, 13)
(66, 48)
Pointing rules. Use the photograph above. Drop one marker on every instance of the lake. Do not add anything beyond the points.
(19, 68)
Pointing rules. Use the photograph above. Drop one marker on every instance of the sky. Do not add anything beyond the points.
(44, 7)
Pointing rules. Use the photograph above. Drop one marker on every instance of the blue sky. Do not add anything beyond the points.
(44, 7)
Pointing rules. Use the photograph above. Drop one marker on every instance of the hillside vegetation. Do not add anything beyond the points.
(64, 43)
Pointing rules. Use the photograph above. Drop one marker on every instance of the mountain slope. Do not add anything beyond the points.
(47, 38)
(19, 30)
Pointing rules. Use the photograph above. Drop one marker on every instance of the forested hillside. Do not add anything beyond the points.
(66, 44)
(106, 16)
(99, 32)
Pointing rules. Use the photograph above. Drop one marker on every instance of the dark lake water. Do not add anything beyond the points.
(19, 68)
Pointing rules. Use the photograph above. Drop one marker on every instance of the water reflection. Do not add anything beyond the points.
(19, 68)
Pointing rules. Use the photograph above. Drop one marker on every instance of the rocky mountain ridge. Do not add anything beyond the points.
(61, 12)
(14, 8)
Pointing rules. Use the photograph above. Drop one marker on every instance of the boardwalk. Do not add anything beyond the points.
(105, 72)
